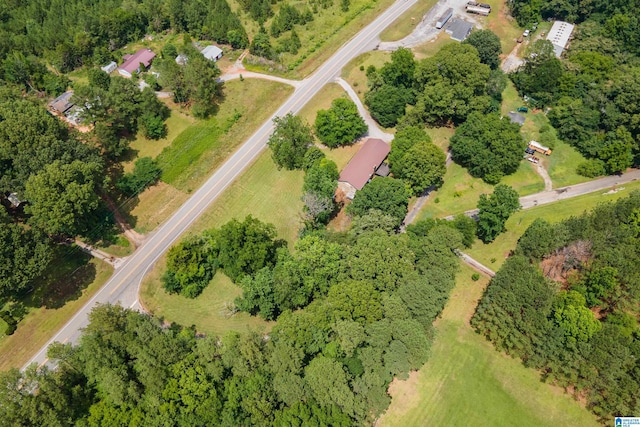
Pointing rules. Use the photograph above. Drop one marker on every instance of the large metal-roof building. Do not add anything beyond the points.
(559, 36)
(364, 165)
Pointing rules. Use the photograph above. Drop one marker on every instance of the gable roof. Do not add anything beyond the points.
(363, 165)
(63, 102)
(211, 52)
(132, 62)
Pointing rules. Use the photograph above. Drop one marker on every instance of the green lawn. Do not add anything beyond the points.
(356, 77)
(196, 152)
(562, 165)
(265, 193)
(68, 284)
(406, 23)
(554, 212)
(466, 382)
(322, 101)
(500, 22)
(432, 47)
(460, 191)
(177, 123)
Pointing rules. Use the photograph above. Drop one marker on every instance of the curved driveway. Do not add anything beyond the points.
(123, 286)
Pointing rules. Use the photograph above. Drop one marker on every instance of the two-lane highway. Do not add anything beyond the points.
(123, 286)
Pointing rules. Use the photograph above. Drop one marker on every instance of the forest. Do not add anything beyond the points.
(593, 92)
(354, 310)
(566, 303)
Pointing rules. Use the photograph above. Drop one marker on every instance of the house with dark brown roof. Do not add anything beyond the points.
(363, 166)
(132, 62)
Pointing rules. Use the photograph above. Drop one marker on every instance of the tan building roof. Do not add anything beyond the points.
(364, 164)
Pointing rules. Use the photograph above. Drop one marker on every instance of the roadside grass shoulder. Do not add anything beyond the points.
(406, 23)
(67, 285)
(553, 212)
(261, 191)
(356, 77)
(321, 101)
(467, 382)
(203, 146)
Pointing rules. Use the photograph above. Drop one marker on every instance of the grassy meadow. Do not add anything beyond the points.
(466, 382)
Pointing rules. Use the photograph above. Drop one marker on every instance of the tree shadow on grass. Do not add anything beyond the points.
(65, 279)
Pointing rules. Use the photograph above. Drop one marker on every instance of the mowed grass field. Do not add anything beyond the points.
(466, 382)
(553, 212)
(460, 191)
(266, 193)
(68, 284)
(203, 146)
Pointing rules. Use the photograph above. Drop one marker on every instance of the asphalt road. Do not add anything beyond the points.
(123, 286)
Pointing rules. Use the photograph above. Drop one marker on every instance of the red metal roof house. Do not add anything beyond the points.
(132, 62)
(364, 164)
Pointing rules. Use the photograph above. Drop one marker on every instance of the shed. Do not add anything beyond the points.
(212, 53)
(63, 103)
(559, 36)
(365, 163)
(459, 29)
(444, 18)
(110, 67)
(132, 62)
(383, 170)
(516, 118)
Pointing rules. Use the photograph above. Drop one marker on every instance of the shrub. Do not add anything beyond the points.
(475, 277)
(591, 168)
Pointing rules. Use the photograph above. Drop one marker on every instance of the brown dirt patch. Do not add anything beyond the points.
(566, 262)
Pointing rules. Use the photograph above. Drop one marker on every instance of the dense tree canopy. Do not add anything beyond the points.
(577, 327)
(382, 193)
(489, 146)
(339, 125)
(494, 211)
(290, 141)
(488, 45)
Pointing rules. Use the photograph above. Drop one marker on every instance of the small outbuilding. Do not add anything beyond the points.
(559, 36)
(459, 29)
(516, 118)
(212, 53)
(367, 161)
(110, 67)
(63, 103)
(132, 63)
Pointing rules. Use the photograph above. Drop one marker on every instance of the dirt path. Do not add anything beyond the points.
(97, 253)
(548, 184)
(374, 129)
(132, 236)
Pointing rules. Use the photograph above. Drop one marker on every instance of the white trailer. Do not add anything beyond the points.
(444, 18)
(478, 10)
